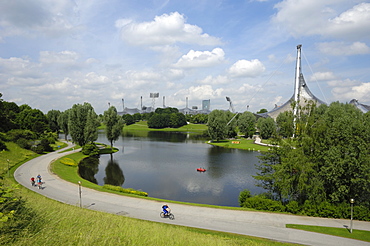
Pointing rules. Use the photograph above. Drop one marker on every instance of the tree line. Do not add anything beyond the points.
(326, 164)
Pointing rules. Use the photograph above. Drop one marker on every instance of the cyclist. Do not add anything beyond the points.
(33, 181)
(39, 181)
(166, 209)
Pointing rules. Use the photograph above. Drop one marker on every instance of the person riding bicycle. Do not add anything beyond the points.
(166, 209)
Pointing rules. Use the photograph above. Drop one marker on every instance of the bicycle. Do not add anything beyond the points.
(169, 215)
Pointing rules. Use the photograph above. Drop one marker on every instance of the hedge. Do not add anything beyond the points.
(124, 190)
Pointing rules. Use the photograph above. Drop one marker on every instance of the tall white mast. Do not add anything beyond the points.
(297, 74)
(296, 85)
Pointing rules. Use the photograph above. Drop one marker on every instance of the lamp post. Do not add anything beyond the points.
(79, 192)
(352, 201)
(8, 168)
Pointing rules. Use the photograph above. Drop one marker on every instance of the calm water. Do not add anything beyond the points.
(164, 165)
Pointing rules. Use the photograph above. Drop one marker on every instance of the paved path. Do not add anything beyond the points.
(259, 224)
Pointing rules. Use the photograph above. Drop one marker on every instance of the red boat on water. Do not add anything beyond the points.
(201, 169)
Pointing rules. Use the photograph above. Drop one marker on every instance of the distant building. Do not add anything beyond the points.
(206, 105)
(364, 108)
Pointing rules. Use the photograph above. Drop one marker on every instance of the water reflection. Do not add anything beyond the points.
(113, 173)
(164, 165)
(88, 167)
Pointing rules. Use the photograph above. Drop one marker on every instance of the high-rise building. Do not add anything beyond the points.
(206, 104)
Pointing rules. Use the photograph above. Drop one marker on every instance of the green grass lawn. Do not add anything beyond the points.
(340, 232)
(15, 155)
(246, 144)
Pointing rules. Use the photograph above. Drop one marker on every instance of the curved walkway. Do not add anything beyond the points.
(258, 224)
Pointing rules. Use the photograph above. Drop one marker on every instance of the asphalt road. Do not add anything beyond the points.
(258, 224)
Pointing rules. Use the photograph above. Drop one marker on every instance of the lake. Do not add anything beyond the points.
(164, 165)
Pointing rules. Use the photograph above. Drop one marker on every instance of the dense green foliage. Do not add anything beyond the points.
(285, 124)
(197, 118)
(114, 124)
(32, 119)
(246, 124)
(82, 123)
(128, 119)
(90, 149)
(53, 116)
(166, 117)
(217, 125)
(63, 122)
(328, 162)
(266, 127)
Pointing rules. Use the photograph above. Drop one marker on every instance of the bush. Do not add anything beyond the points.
(90, 150)
(260, 203)
(123, 190)
(243, 195)
(46, 145)
(37, 149)
(361, 213)
(68, 161)
(2, 146)
(15, 134)
(327, 210)
(309, 208)
(292, 207)
(24, 143)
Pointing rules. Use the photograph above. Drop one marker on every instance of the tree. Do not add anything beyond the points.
(266, 127)
(199, 119)
(53, 116)
(263, 110)
(341, 148)
(285, 125)
(217, 125)
(114, 124)
(329, 160)
(177, 120)
(159, 121)
(137, 117)
(230, 125)
(32, 119)
(77, 120)
(128, 119)
(91, 128)
(8, 115)
(63, 122)
(246, 123)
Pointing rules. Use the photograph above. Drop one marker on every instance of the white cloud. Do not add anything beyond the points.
(322, 76)
(19, 68)
(93, 80)
(353, 22)
(210, 80)
(317, 17)
(23, 17)
(166, 29)
(360, 92)
(343, 83)
(63, 58)
(195, 59)
(200, 92)
(245, 68)
(343, 49)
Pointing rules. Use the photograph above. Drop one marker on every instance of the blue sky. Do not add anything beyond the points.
(56, 53)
